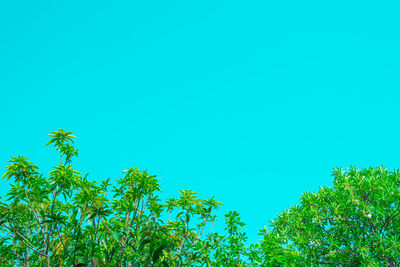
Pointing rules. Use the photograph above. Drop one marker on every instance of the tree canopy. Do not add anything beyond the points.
(64, 219)
(354, 222)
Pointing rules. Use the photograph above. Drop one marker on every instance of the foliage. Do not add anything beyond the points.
(354, 222)
(65, 219)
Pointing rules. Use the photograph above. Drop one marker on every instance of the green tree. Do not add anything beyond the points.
(354, 222)
(66, 220)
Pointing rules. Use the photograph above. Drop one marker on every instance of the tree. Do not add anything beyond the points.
(66, 220)
(354, 222)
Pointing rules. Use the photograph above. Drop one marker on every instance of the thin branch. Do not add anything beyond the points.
(25, 241)
(389, 219)
(35, 214)
(62, 242)
(130, 226)
(94, 242)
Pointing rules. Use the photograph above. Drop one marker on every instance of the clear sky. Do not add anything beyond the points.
(253, 102)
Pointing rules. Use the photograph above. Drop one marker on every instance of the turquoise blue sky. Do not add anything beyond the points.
(253, 102)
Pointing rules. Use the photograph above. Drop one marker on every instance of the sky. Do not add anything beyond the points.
(252, 102)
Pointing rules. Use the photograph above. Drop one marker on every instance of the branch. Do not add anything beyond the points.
(47, 244)
(130, 226)
(389, 219)
(25, 241)
(62, 242)
(35, 214)
(94, 241)
(79, 234)
(201, 232)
